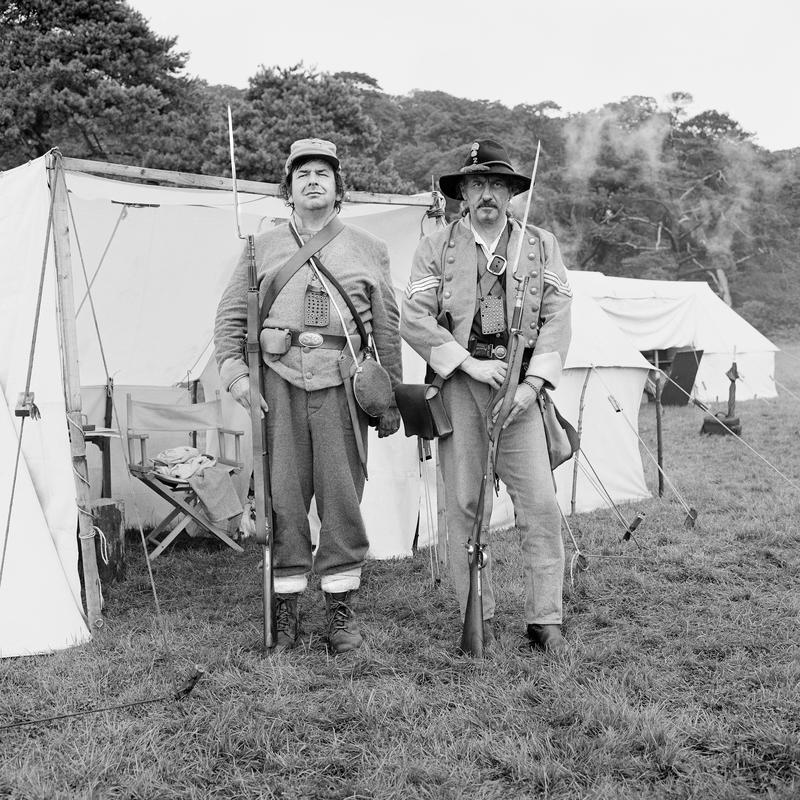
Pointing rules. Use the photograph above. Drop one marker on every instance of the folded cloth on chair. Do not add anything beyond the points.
(215, 490)
(175, 455)
(182, 462)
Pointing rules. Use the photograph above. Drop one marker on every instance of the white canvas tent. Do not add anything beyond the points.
(157, 258)
(657, 315)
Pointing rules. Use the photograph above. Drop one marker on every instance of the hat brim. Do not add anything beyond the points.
(450, 185)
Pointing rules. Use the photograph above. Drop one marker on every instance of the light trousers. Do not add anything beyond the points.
(524, 467)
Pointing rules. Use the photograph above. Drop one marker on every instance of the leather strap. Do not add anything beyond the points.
(329, 341)
(362, 331)
(486, 279)
(306, 251)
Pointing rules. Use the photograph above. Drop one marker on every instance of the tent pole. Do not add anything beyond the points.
(659, 432)
(72, 388)
(441, 515)
(581, 408)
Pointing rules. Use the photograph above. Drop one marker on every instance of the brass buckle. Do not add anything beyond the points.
(310, 339)
(498, 351)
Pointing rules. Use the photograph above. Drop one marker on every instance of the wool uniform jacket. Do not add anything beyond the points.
(358, 260)
(444, 278)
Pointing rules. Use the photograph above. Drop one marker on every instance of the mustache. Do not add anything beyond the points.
(487, 204)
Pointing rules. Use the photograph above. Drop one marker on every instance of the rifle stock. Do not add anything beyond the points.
(472, 631)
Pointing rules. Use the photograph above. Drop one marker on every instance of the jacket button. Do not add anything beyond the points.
(306, 349)
(451, 243)
(448, 276)
(447, 293)
(530, 342)
(450, 260)
(531, 240)
(533, 324)
(534, 289)
(309, 375)
(531, 256)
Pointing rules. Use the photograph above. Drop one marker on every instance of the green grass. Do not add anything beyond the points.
(681, 682)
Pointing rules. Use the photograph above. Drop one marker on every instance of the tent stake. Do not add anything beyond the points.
(72, 389)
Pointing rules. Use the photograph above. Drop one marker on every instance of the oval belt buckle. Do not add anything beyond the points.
(310, 339)
(499, 352)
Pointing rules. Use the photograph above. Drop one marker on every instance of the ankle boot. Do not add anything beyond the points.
(287, 621)
(340, 621)
(547, 638)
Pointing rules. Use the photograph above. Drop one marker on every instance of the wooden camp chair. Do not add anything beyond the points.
(146, 418)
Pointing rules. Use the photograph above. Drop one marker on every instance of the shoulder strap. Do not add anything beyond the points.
(362, 331)
(306, 251)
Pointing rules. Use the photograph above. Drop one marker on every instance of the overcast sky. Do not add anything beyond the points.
(736, 56)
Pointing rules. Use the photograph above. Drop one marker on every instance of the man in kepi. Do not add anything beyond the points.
(316, 435)
(463, 270)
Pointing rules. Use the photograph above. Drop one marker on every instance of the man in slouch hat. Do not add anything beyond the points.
(315, 314)
(463, 272)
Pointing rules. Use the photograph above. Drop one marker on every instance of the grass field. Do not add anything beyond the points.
(681, 682)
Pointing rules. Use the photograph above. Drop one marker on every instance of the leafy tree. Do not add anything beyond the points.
(282, 105)
(87, 75)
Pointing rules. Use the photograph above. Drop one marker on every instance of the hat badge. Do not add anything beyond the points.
(473, 153)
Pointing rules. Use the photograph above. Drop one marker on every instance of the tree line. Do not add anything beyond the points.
(635, 188)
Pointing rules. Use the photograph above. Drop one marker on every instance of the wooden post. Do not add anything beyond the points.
(72, 388)
(105, 448)
(659, 433)
(108, 518)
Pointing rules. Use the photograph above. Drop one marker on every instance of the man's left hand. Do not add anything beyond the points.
(524, 397)
(389, 423)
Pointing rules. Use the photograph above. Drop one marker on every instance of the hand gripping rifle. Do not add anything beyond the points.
(472, 632)
(258, 420)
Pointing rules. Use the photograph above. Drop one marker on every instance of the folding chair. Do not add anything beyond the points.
(146, 418)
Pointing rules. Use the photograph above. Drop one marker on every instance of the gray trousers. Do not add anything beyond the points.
(313, 453)
(524, 467)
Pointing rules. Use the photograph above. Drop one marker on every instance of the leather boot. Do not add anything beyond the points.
(287, 621)
(340, 621)
(547, 638)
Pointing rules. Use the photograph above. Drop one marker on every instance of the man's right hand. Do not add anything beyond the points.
(240, 391)
(491, 371)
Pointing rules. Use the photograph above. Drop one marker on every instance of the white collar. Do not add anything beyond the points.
(488, 249)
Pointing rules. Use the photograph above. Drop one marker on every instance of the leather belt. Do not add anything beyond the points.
(484, 350)
(313, 340)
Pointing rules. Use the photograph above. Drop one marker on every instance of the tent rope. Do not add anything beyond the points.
(159, 617)
(122, 214)
(752, 389)
(595, 480)
(786, 389)
(618, 408)
(703, 407)
(34, 411)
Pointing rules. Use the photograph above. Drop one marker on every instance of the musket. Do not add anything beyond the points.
(472, 632)
(261, 482)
